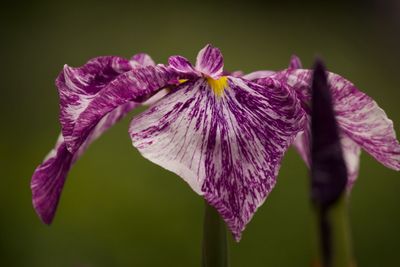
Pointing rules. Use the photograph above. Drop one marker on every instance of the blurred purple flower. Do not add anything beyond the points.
(362, 123)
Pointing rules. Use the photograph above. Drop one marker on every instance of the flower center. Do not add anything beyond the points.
(218, 86)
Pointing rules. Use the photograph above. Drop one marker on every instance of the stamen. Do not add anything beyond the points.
(219, 85)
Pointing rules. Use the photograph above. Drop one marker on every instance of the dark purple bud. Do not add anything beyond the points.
(328, 169)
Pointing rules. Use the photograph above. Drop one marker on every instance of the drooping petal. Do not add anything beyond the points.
(210, 62)
(182, 66)
(141, 60)
(227, 148)
(48, 180)
(101, 93)
(81, 112)
(78, 86)
(49, 177)
(359, 116)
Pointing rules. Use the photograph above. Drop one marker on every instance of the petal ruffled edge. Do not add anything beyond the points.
(141, 60)
(132, 86)
(77, 86)
(210, 62)
(183, 66)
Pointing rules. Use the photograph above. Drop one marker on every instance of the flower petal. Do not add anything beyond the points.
(359, 116)
(81, 112)
(227, 148)
(295, 63)
(210, 62)
(258, 74)
(78, 86)
(49, 177)
(182, 66)
(48, 180)
(142, 60)
(351, 153)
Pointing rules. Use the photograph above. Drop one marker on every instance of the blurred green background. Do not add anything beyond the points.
(118, 209)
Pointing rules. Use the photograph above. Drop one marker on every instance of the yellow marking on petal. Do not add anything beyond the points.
(219, 85)
(182, 81)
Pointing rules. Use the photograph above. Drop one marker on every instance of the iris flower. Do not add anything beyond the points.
(362, 123)
(224, 135)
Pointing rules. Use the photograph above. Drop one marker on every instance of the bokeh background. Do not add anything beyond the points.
(117, 208)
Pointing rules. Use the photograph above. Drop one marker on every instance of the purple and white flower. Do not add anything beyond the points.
(224, 135)
(362, 123)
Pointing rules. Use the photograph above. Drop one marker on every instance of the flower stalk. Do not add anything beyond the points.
(215, 245)
(333, 235)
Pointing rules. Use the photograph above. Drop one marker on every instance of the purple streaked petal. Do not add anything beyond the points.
(49, 177)
(78, 86)
(359, 117)
(132, 86)
(142, 60)
(227, 148)
(48, 180)
(183, 66)
(210, 62)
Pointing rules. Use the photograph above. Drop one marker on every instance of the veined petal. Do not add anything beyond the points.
(227, 148)
(131, 86)
(96, 110)
(359, 116)
(210, 62)
(49, 177)
(142, 60)
(182, 66)
(48, 180)
(78, 86)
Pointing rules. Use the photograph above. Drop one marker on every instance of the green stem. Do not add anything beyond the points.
(215, 245)
(339, 237)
